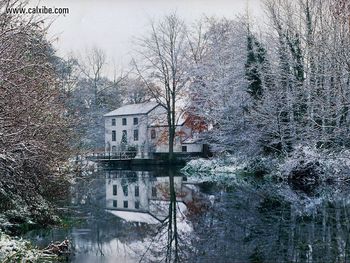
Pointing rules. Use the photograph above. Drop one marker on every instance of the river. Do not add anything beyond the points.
(163, 216)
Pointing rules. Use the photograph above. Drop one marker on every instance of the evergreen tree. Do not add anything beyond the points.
(255, 67)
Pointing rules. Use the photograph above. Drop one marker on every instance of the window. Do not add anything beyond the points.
(136, 135)
(125, 190)
(136, 121)
(114, 149)
(153, 134)
(137, 191)
(184, 148)
(125, 204)
(115, 203)
(125, 136)
(137, 205)
(124, 121)
(114, 189)
(114, 136)
(154, 191)
(113, 122)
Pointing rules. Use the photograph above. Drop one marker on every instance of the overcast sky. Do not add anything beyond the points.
(111, 25)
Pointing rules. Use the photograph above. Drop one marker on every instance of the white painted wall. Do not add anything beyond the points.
(194, 147)
(156, 116)
(129, 127)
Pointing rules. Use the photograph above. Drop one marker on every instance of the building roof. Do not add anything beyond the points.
(133, 109)
(133, 216)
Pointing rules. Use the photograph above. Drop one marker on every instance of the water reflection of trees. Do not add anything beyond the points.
(168, 244)
(100, 233)
(271, 224)
(172, 240)
(175, 202)
(244, 222)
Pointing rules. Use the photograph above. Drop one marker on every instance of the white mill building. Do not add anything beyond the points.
(143, 127)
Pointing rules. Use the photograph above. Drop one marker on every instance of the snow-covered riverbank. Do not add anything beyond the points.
(13, 249)
(303, 164)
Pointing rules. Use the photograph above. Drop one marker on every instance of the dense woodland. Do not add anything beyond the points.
(287, 86)
(260, 89)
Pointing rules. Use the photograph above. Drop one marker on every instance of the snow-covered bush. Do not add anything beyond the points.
(232, 164)
(304, 165)
(261, 165)
(319, 164)
(18, 250)
(222, 164)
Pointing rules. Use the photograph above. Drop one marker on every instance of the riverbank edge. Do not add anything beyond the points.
(304, 165)
(16, 249)
(13, 247)
(23, 217)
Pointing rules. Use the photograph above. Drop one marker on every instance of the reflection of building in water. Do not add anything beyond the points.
(139, 197)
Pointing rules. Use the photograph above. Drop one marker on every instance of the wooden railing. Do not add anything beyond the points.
(122, 155)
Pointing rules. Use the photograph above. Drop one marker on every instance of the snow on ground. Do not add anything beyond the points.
(228, 164)
(330, 165)
(333, 165)
(18, 250)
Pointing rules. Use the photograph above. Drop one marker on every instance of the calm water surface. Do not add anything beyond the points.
(162, 216)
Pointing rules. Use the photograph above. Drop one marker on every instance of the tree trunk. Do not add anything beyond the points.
(171, 144)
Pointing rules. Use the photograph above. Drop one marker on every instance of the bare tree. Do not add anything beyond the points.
(135, 90)
(197, 37)
(95, 93)
(162, 67)
(92, 68)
